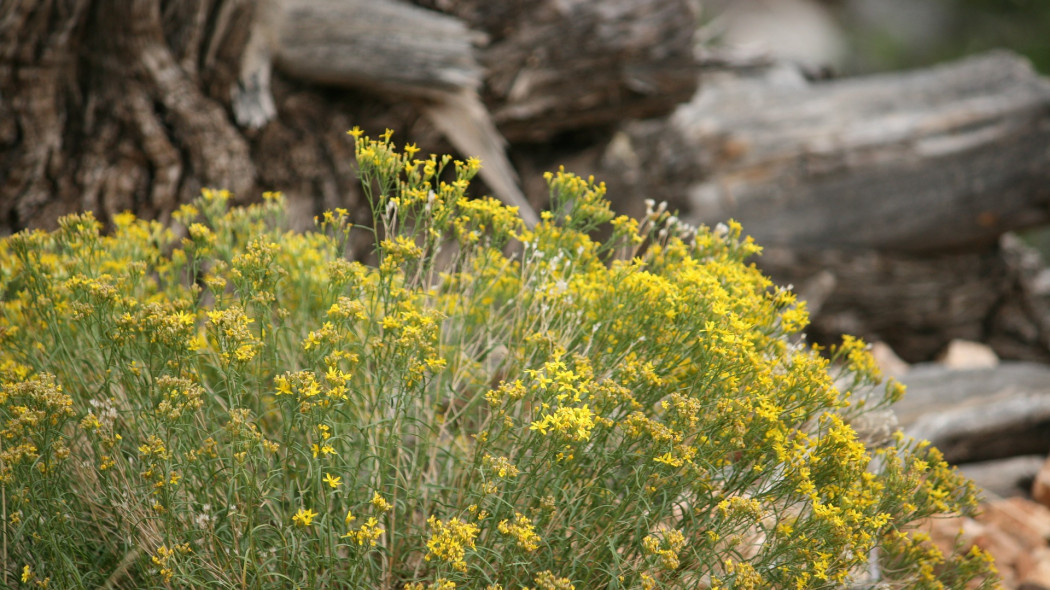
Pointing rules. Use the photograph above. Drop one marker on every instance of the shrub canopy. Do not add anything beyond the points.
(223, 403)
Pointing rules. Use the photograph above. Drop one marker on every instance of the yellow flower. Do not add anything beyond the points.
(502, 466)
(450, 540)
(304, 517)
(668, 459)
(522, 530)
(673, 538)
(380, 504)
(322, 450)
(367, 533)
(333, 482)
(572, 423)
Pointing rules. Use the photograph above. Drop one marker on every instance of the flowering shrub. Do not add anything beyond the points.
(226, 404)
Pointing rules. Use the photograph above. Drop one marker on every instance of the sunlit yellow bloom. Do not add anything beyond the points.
(521, 529)
(449, 541)
(324, 449)
(380, 504)
(304, 517)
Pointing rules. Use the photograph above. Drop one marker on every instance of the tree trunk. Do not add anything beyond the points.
(106, 122)
(110, 105)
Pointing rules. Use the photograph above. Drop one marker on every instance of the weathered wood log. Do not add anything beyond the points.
(1005, 478)
(554, 66)
(918, 304)
(980, 414)
(380, 46)
(384, 45)
(948, 157)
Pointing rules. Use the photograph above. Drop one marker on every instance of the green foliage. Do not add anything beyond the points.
(226, 404)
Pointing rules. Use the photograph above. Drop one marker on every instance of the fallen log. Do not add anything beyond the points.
(945, 158)
(1005, 478)
(883, 199)
(919, 303)
(554, 66)
(385, 46)
(980, 414)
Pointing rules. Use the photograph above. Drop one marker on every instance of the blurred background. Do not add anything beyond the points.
(864, 36)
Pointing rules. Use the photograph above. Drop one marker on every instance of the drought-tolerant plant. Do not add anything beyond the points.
(226, 404)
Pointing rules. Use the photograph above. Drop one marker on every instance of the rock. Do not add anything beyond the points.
(800, 31)
(966, 354)
(1014, 531)
(1005, 478)
(1027, 522)
(889, 363)
(944, 532)
(1033, 570)
(1041, 484)
(876, 428)
(1004, 549)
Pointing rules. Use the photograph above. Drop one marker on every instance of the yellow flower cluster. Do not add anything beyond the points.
(164, 556)
(304, 517)
(35, 412)
(665, 546)
(230, 330)
(450, 540)
(522, 530)
(573, 424)
(366, 534)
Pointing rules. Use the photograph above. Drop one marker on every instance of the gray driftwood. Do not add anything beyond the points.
(382, 46)
(563, 65)
(980, 414)
(580, 64)
(883, 199)
(1005, 477)
(949, 157)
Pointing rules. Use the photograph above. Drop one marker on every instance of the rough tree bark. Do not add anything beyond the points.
(557, 66)
(104, 108)
(108, 105)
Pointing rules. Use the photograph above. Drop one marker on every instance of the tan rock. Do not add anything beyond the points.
(943, 532)
(952, 534)
(889, 363)
(1033, 569)
(1025, 521)
(966, 354)
(1041, 485)
(1003, 548)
